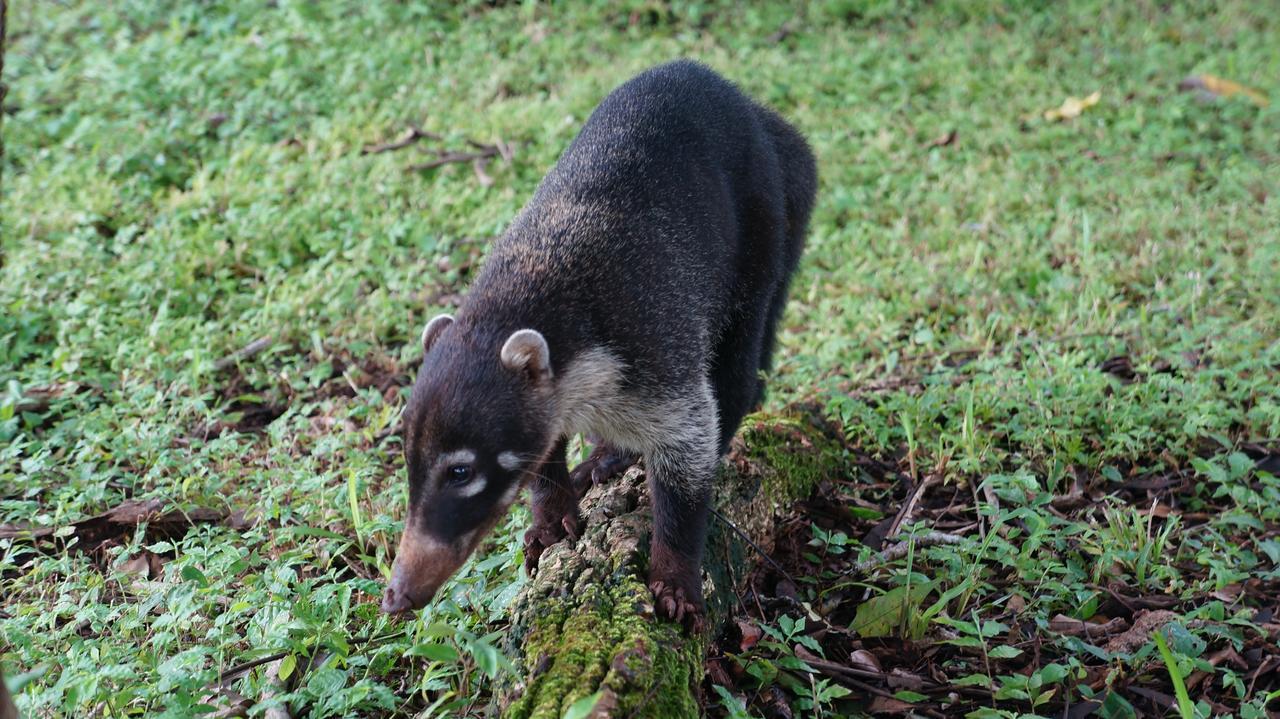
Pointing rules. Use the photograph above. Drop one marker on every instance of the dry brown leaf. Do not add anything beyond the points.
(750, 635)
(866, 661)
(145, 565)
(1016, 604)
(120, 520)
(1157, 510)
(889, 705)
(1229, 593)
(1212, 87)
(944, 140)
(1138, 635)
(1072, 107)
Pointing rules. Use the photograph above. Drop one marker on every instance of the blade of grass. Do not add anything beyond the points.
(1185, 706)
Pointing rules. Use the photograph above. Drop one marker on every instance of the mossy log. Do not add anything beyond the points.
(585, 623)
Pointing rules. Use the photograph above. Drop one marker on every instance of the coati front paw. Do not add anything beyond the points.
(672, 602)
(546, 531)
(676, 583)
(603, 464)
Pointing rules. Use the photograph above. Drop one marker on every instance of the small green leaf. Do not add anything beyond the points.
(191, 574)
(435, 652)
(287, 665)
(1115, 706)
(880, 616)
(1052, 673)
(581, 708)
(974, 680)
(1004, 651)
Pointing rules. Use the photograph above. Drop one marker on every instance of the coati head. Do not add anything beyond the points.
(478, 419)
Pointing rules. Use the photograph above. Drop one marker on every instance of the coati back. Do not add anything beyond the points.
(634, 299)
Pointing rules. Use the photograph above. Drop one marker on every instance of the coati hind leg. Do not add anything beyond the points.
(555, 507)
(603, 464)
(680, 472)
(735, 374)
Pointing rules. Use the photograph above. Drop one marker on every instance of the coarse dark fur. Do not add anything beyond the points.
(652, 264)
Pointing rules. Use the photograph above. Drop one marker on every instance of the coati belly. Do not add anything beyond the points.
(634, 299)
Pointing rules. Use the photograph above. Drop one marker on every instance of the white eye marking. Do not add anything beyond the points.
(460, 456)
(472, 488)
(509, 461)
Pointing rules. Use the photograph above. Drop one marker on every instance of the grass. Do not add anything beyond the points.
(183, 179)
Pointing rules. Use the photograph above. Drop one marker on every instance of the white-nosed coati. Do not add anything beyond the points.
(634, 299)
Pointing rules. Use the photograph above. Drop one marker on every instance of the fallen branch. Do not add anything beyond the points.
(447, 158)
(902, 549)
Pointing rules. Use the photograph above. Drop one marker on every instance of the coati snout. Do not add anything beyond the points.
(634, 300)
(467, 448)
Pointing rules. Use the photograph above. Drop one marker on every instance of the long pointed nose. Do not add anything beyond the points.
(399, 597)
(422, 565)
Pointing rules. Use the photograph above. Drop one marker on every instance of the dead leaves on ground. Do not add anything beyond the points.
(92, 532)
(115, 527)
(1211, 87)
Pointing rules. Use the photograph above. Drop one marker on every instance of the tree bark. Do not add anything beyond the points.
(585, 623)
(7, 709)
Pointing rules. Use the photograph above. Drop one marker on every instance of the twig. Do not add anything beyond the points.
(478, 165)
(410, 136)
(244, 353)
(909, 507)
(451, 157)
(777, 567)
(846, 675)
(901, 549)
(483, 153)
(240, 670)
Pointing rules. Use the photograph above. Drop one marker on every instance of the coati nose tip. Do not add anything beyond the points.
(394, 602)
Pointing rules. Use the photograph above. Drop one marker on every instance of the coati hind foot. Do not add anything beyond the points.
(603, 464)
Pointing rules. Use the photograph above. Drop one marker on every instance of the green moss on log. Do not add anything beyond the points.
(607, 640)
(793, 451)
(585, 623)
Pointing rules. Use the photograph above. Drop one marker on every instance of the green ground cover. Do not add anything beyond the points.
(1069, 329)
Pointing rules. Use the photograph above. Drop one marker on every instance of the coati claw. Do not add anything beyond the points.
(670, 602)
(570, 525)
(603, 464)
(544, 533)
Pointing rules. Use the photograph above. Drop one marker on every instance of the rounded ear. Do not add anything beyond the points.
(527, 351)
(432, 331)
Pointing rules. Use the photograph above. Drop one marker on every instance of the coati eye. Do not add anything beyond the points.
(458, 474)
